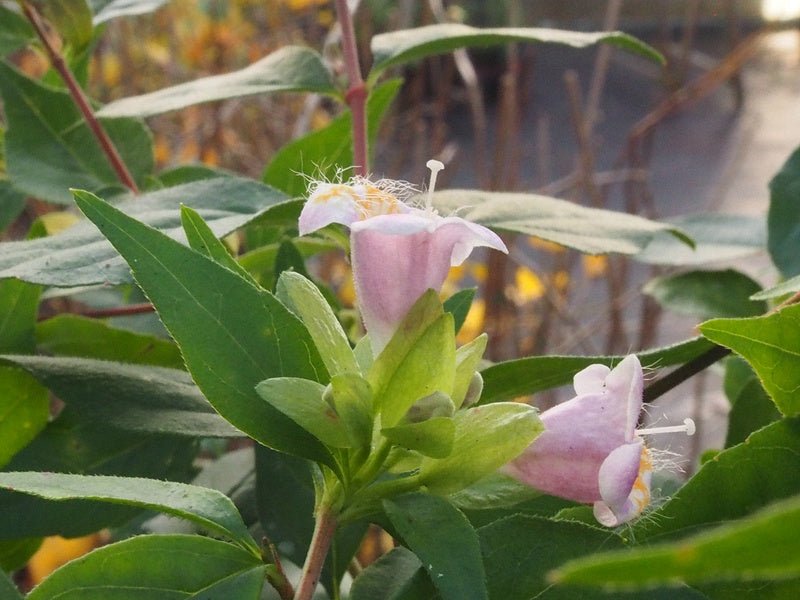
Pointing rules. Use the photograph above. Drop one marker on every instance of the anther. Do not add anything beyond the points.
(688, 427)
(435, 166)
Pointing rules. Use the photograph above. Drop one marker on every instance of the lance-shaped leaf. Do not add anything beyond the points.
(158, 567)
(301, 400)
(8, 591)
(129, 397)
(397, 575)
(519, 377)
(486, 438)
(105, 10)
(763, 546)
(12, 201)
(783, 220)
(206, 507)
(73, 335)
(771, 344)
(290, 69)
(305, 300)
(716, 237)
(790, 286)
(15, 31)
(24, 409)
(589, 230)
(49, 147)
(445, 542)
(399, 47)
(82, 256)
(418, 361)
(352, 398)
(432, 437)
(232, 334)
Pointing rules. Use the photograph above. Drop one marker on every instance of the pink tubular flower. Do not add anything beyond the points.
(590, 450)
(397, 251)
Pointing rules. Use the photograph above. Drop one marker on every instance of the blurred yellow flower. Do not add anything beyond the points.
(595, 266)
(473, 324)
(56, 551)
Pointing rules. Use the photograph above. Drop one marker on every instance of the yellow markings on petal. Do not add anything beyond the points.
(640, 493)
(369, 199)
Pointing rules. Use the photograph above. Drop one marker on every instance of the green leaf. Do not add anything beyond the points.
(407, 45)
(707, 294)
(202, 239)
(432, 437)
(771, 344)
(322, 153)
(486, 438)
(71, 443)
(589, 230)
(305, 300)
(494, 491)
(290, 69)
(444, 541)
(73, 335)
(301, 400)
(8, 591)
(72, 20)
(790, 286)
(353, 400)
(762, 546)
(418, 361)
(459, 304)
(133, 398)
(468, 358)
(751, 410)
(733, 484)
(519, 551)
(783, 218)
(248, 584)
(232, 335)
(513, 378)
(49, 147)
(717, 237)
(397, 575)
(14, 554)
(105, 10)
(12, 202)
(153, 567)
(208, 508)
(19, 305)
(81, 255)
(24, 410)
(15, 31)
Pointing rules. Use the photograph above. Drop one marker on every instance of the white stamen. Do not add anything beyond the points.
(435, 166)
(688, 427)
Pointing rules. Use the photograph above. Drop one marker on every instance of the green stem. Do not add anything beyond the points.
(356, 95)
(373, 465)
(80, 99)
(367, 500)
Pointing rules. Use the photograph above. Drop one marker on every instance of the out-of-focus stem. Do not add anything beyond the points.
(356, 95)
(80, 99)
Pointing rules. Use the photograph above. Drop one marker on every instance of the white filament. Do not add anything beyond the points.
(435, 166)
(688, 427)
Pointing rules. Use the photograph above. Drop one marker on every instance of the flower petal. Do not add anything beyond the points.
(329, 203)
(397, 257)
(626, 382)
(591, 380)
(624, 481)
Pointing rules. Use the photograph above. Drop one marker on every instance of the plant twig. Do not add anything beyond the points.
(80, 99)
(324, 529)
(356, 95)
(280, 582)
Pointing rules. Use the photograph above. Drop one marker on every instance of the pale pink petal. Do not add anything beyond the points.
(397, 257)
(463, 237)
(624, 484)
(626, 382)
(329, 203)
(592, 380)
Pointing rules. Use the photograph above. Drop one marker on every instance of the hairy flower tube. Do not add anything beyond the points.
(398, 251)
(590, 450)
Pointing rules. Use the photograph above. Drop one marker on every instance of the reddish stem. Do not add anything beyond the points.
(324, 529)
(356, 95)
(80, 99)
